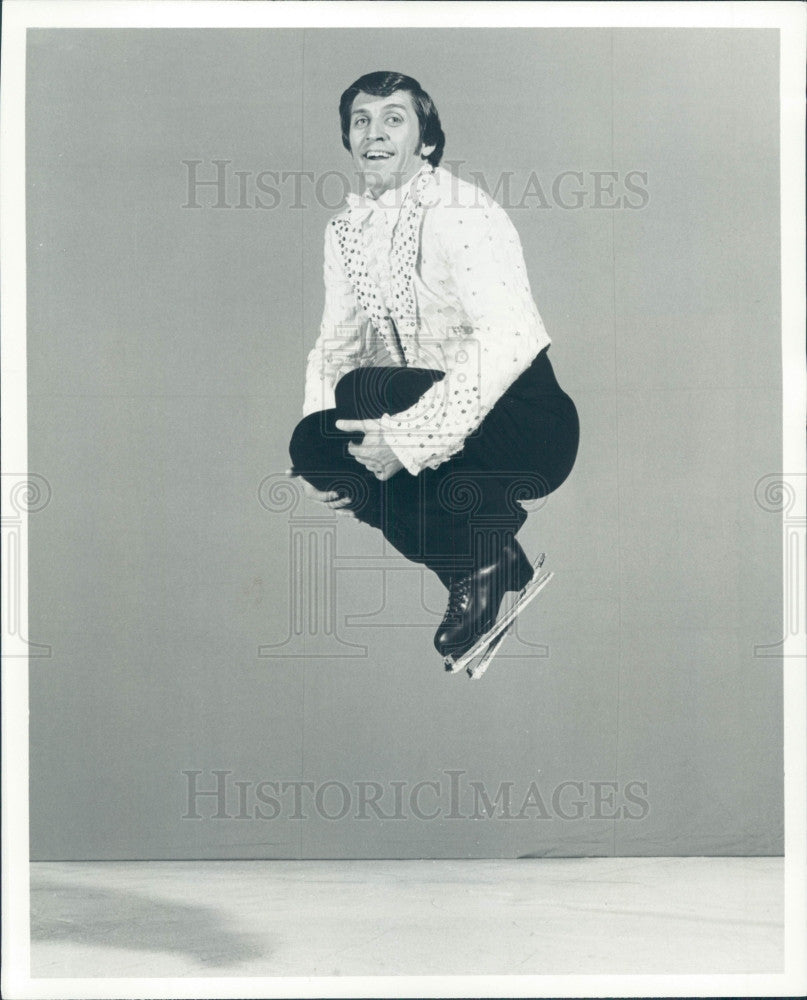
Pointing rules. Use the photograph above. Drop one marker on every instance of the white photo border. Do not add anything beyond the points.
(19, 15)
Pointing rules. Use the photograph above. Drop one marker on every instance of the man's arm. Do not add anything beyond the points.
(340, 335)
(339, 340)
(489, 281)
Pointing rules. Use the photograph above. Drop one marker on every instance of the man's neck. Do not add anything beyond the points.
(394, 193)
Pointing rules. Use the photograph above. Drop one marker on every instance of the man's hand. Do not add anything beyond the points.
(374, 453)
(329, 498)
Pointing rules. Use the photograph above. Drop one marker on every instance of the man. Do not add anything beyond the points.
(431, 407)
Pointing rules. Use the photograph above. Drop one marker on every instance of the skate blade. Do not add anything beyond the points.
(530, 592)
(476, 670)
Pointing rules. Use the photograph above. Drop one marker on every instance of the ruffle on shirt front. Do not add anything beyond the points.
(380, 241)
(377, 233)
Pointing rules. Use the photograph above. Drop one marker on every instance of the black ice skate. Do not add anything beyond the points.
(471, 632)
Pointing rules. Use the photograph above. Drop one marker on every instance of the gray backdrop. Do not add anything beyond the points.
(166, 349)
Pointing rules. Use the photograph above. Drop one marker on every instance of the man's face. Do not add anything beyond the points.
(385, 140)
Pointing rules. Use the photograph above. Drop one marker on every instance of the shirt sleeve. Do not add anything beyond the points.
(340, 336)
(487, 283)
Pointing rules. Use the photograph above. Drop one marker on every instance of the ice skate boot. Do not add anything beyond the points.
(476, 658)
(474, 599)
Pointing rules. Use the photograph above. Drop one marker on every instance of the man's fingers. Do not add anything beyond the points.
(332, 500)
(366, 458)
(367, 447)
(351, 425)
(324, 496)
(340, 506)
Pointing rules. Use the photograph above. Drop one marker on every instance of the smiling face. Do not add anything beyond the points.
(385, 140)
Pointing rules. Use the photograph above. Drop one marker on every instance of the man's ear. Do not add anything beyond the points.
(426, 151)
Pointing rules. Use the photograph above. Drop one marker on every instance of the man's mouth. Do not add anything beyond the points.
(378, 154)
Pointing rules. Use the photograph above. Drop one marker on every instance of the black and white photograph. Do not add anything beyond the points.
(403, 499)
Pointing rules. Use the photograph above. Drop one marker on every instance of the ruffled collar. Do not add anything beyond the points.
(361, 206)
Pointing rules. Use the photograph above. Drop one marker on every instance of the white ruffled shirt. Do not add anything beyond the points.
(474, 315)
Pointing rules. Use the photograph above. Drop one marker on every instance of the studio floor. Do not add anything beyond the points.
(336, 918)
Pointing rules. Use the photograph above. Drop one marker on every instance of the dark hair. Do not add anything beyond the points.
(382, 84)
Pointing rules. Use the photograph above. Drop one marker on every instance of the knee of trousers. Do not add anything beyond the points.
(568, 436)
(311, 441)
(317, 451)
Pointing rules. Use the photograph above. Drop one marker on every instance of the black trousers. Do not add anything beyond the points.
(452, 518)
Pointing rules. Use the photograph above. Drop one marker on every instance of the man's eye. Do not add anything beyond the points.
(394, 119)
(359, 121)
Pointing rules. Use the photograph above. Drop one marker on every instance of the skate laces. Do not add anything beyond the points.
(458, 595)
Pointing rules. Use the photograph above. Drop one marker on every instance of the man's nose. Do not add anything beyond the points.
(376, 129)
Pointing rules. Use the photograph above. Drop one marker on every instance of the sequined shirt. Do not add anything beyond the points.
(429, 275)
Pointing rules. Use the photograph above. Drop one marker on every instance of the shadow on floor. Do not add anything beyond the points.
(119, 918)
